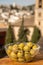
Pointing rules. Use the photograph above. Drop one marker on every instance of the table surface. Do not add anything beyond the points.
(38, 60)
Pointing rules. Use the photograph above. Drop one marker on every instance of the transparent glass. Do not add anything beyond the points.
(23, 59)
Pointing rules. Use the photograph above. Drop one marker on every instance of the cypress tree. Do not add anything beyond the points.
(10, 38)
(36, 35)
(22, 33)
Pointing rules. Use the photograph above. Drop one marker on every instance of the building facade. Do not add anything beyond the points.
(39, 15)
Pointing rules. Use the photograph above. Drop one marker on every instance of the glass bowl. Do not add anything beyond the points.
(21, 51)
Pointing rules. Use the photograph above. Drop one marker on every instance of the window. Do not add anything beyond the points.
(39, 23)
(40, 3)
(39, 14)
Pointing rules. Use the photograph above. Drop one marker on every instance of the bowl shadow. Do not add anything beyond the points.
(38, 57)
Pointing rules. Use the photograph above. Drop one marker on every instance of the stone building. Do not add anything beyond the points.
(39, 15)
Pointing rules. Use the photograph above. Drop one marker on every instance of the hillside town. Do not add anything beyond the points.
(13, 14)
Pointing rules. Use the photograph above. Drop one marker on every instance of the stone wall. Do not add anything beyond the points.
(39, 16)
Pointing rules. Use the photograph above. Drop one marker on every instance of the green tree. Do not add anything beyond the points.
(25, 38)
(10, 38)
(22, 33)
(36, 35)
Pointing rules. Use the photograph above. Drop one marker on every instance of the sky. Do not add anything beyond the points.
(20, 2)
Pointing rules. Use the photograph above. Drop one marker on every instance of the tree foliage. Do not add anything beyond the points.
(22, 34)
(10, 37)
(36, 35)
